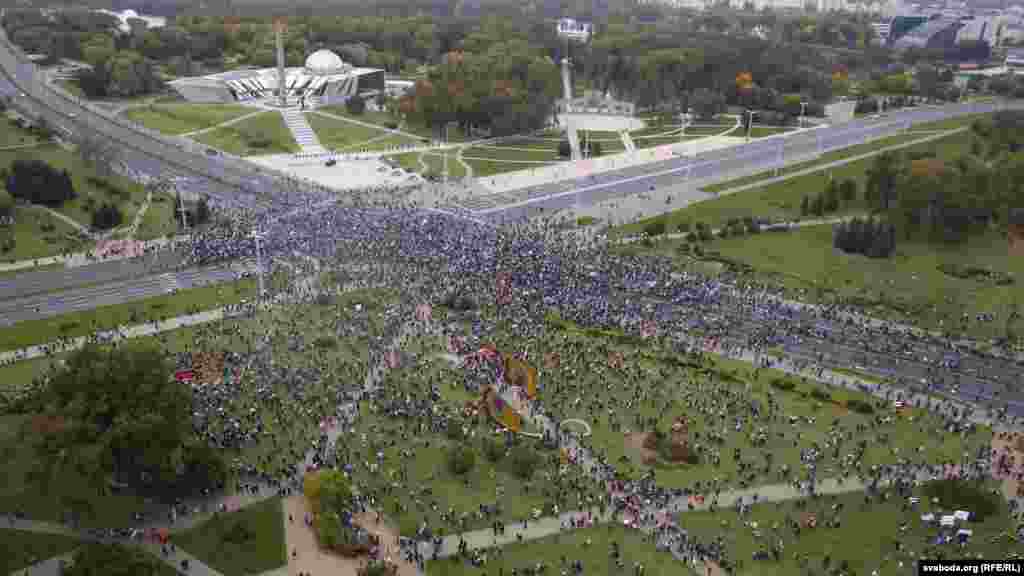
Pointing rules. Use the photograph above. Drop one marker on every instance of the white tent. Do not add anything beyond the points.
(962, 515)
(948, 521)
(928, 517)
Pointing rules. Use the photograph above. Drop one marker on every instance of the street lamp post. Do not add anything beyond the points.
(803, 113)
(750, 123)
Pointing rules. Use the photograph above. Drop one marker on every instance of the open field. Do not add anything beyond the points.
(159, 219)
(413, 473)
(909, 285)
(589, 545)
(37, 234)
(92, 187)
(179, 118)
(385, 119)
(262, 134)
(762, 131)
(342, 136)
(45, 330)
(264, 549)
(781, 201)
(433, 160)
(22, 549)
(489, 167)
(656, 386)
(868, 538)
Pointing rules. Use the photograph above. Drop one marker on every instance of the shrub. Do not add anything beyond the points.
(683, 226)
(39, 183)
(260, 142)
(783, 384)
(326, 342)
(493, 449)
(106, 217)
(524, 461)
(585, 220)
(860, 406)
(959, 495)
(704, 234)
(655, 228)
(238, 533)
(684, 248)
(691, 237)
(461, 459)
(821, 395)
(453, 431)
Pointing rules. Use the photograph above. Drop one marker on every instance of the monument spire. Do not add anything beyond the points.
(282, 87)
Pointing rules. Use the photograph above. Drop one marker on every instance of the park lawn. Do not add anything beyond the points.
(666, 384)
(572, 545)
(383, 119)
(341, 136)
(264, 133)
(159, 220)
(781, 200)
(867, 537)
(125, 194)
(22, 549)
(762, 131)
(909, 285)
(86, 322)
(13, 135)
(602, 136)
(265, 550)
(38, 234)
(181, 118)
(435, 162)
(18, 376)
(512, 153)
(826, 158)
(431, 479)
(20, 491)
(72, 87)
(489, 167)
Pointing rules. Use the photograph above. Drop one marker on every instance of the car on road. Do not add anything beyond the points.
(330, 162)
(211, 152)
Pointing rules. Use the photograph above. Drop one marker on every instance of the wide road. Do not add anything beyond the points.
(717, 165)
(110, 293)
(56, 279)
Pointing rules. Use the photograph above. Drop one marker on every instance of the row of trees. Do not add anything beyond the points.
(871, 237)
(37, 182)
(830, 199)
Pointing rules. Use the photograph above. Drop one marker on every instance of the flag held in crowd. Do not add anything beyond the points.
(423, 312)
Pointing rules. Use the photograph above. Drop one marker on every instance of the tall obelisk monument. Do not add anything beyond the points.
(282, 88)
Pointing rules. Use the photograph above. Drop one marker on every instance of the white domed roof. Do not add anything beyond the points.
(324, 62)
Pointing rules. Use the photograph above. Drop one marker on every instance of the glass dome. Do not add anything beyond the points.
(323, 62)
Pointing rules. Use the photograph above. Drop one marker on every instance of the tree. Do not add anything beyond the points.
(102, 155)
(707, 104)
(335, 491)
(39, 183)
(113, 560)
(848, 190)
(355, 106)
(818, 205)
(106, 217)
(121, 416)
(6, 204)
(880, 186)
(805, 206)
(461, 459)
(202, 211)
(564, 149)
(831, 200)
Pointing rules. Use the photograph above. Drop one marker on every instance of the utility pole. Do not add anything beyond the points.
(803, 113)
(183, 212)
(750, 122)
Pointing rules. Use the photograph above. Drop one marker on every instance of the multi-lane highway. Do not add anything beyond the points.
(108, 293)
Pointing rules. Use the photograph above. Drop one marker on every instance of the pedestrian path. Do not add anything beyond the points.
(49, 567)
(235, 120)
(305, 137)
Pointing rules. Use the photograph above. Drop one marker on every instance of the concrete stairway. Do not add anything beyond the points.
(304, 135)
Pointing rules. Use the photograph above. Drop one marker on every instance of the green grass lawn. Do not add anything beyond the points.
(436, 163)
(536, 154)
(106, 317)
(262, 134)
(656, 387)
(781, 201)
(179, 118)
(38, 234)
(13, 135)
(762, 131)
(909, 285)
(264, 550)
(159, 220)
(486, 167)
(343, 136)
(22, 549)
(385, 118)
(590, 545)
(125, 194)
(823, 159)
(867, 538)
(427, 478)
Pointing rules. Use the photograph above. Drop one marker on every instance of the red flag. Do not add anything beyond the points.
(184, 375)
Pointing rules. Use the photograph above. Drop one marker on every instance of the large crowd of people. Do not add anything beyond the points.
(291, 391)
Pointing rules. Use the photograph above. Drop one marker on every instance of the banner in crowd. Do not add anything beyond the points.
(184, 375)
(423, 312)
(510, 418)
(125, 248)
(208, 367)
(519, 373)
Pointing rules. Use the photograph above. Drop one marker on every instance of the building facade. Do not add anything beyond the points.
(325, 79)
